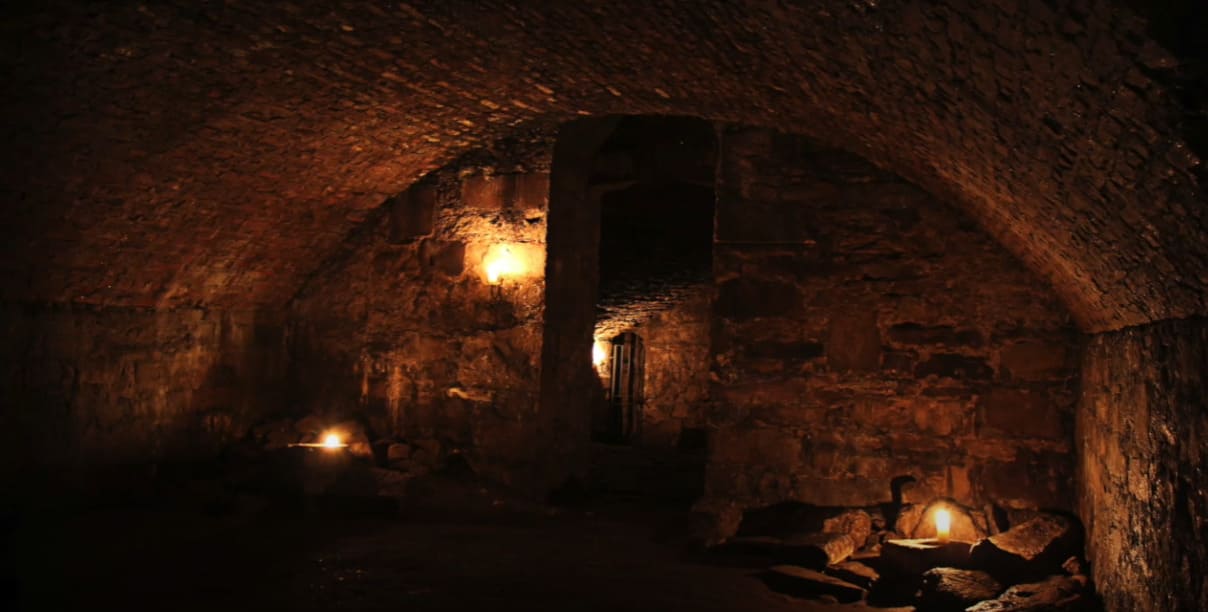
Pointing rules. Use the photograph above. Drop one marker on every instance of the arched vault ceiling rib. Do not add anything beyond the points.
(165, 154)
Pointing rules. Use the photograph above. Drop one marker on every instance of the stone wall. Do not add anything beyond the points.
(677, 369)
(405, 331)
(93, 392)
(862, 331)
(1143, 477)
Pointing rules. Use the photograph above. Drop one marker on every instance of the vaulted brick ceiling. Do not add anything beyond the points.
(183, 153)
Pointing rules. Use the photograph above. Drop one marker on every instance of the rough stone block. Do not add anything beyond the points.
(955, 366)
(906, 558)
(412, 213)
(899, 361)
(1030, 550)
(854, 572)
(942, 418)
(947, 589)
(531, 191)
(802, 582)
(762, 447)
(763, 221)
(854, 341)
(448, 258)
(856, 524)
(770, 403)
(487, 192)
(945, 335)
(1019, 413)
(787, 351)
(398, 452)
(1055, 594)
(1034, 360)
(816, 550)
(742, 299)
(1029, 480)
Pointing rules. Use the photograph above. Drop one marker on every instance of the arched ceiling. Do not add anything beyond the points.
(215, 153)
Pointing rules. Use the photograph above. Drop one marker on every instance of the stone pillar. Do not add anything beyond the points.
(571, 285)
(1142, 436)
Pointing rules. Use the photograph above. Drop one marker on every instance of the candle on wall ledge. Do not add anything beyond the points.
(598, 354)
(501, 263)
(943, 524)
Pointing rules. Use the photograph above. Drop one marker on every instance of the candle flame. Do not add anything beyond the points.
(332, 440)
(501, 262)
(943, 524)
(598, 354)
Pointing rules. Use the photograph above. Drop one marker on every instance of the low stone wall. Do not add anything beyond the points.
(1143, 471)
(863, 331)
(90, 391)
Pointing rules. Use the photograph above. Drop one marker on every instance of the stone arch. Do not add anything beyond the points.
(1045, 123)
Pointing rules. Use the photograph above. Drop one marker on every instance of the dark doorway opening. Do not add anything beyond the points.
(653, 180)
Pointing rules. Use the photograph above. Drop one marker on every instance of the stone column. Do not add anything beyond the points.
(1142, 436)
(571, 286)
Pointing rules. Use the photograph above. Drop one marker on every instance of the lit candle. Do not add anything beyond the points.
(943, 524)
(598, 354)
(332, 440)
(501, 263)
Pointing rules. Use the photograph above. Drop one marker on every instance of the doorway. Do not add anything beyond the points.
(627, 377)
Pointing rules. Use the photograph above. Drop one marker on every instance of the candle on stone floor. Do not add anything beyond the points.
(332, 440)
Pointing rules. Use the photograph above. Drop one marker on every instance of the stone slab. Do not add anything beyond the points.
(906, 558)
(803, 582)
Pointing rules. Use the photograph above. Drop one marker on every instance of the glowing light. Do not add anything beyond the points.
(598, 354)
(332, 440)
(501, 263)
(943, 524)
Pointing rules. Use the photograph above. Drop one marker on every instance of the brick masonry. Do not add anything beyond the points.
(168, 154)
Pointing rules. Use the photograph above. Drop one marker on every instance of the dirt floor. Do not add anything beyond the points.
(249, 554)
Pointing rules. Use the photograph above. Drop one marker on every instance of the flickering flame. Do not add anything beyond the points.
(332, 440)
(943, 524)
(598, 354)
(502, 263)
